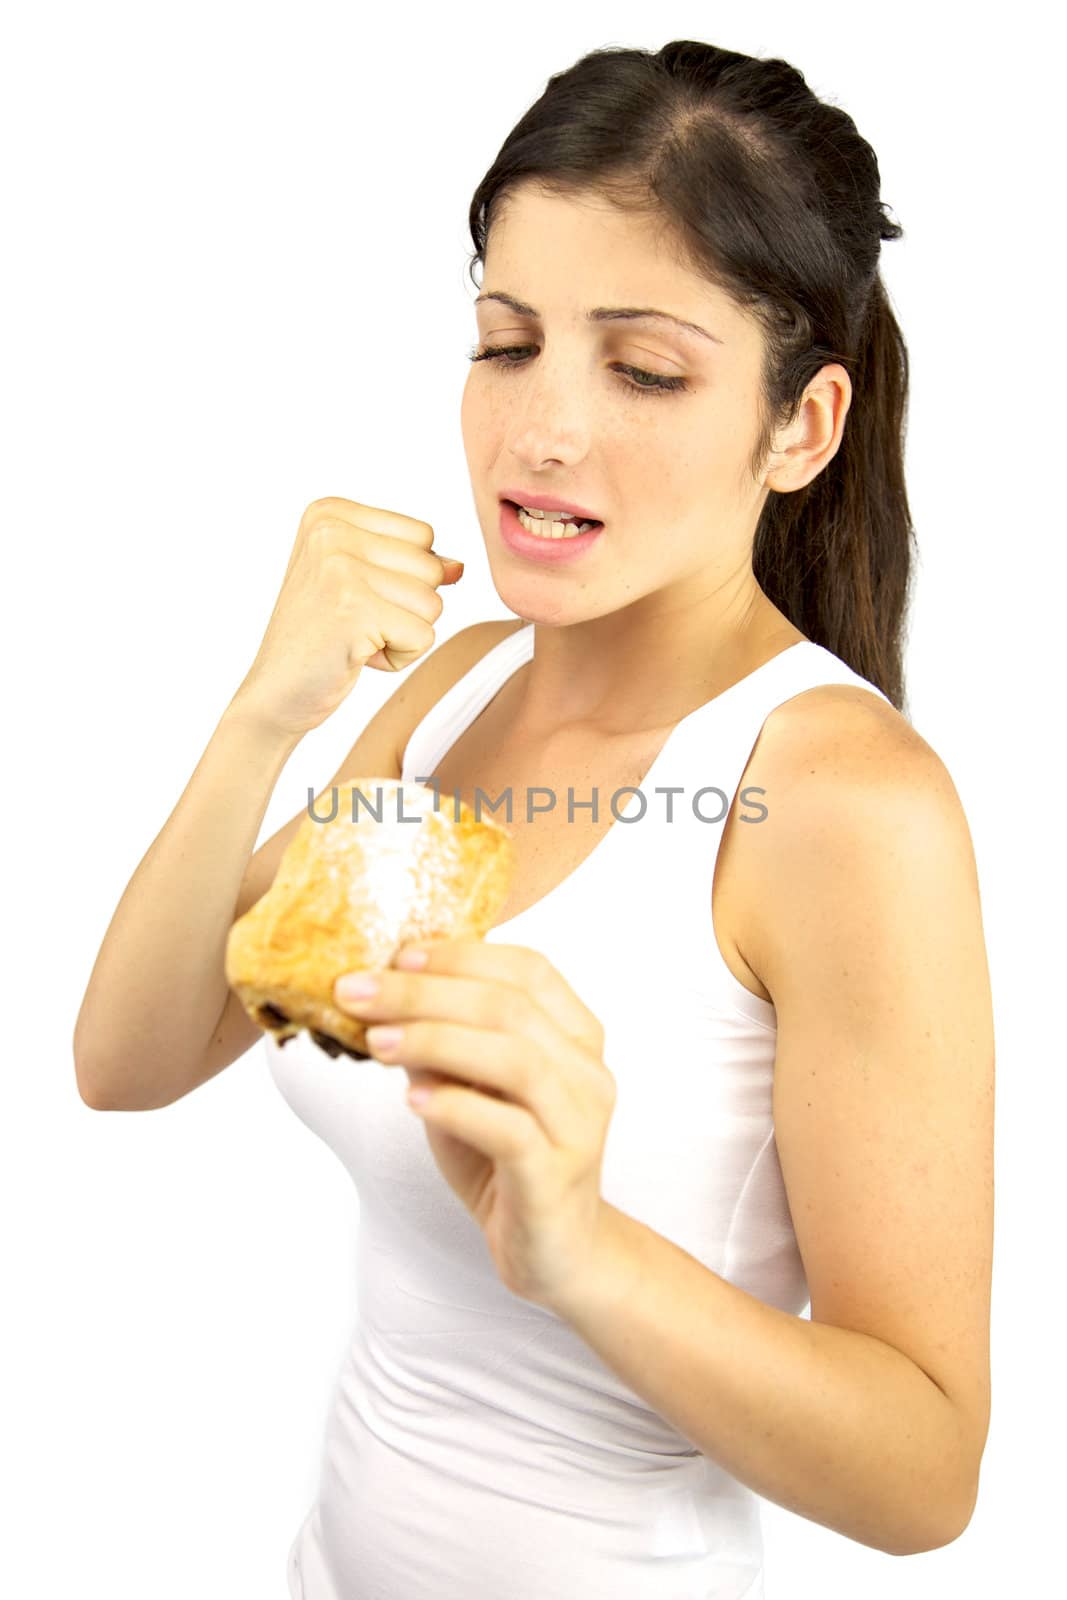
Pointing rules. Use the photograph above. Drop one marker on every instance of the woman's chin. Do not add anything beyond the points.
(522, 600)
(538, 596)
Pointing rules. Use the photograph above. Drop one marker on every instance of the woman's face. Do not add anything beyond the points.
(666, 472)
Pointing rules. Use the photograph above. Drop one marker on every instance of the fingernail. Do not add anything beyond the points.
(384, 1038)
(412, 960)
(357, 986)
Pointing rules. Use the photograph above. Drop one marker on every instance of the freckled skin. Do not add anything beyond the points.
(669, 582)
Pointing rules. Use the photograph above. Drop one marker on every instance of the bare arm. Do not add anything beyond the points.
(864, 924)
(158, 1018)
(158, 985)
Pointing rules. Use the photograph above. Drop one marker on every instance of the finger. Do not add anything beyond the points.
(456, 998)
(488, 1061)
(524, 969)
(394, 539)
(401, 589)
(497, 1007)
(383, 551)
(498, 1129)
(426, 565)
(405, 636)
(372, 519)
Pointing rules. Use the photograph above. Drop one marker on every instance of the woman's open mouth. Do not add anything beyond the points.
(545, 537)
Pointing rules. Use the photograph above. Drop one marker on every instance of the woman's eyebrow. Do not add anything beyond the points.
(602, 313)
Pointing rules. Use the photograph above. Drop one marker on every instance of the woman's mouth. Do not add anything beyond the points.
(550, 537)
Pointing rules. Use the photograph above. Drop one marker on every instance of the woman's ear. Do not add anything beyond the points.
(812, 439)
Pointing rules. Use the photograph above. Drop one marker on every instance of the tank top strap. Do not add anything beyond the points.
(720, 735)
(665, 861)
(713, 744)
(457, 708)
(645, 891)
(710, 749)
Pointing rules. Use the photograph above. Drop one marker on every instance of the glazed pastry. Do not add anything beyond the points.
(348, 893)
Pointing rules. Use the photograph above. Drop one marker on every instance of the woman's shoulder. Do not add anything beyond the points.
(845, 772)
(838, 750)
(839, 727)
(859, 810)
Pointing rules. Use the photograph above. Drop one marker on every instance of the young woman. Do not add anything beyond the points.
(728, 1050)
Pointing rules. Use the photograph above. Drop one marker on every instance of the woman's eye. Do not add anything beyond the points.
(637, 381)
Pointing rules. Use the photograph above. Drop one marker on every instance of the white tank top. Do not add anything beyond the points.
(476, 1447)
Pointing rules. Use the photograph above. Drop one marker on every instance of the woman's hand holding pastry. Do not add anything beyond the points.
(519, 1098)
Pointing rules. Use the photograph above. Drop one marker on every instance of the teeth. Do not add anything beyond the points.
(554, 516)
(547, 525)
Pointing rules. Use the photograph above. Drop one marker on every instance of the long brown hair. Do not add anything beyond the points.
(773, 195)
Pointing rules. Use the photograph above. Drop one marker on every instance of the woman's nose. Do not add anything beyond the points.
(551, 415)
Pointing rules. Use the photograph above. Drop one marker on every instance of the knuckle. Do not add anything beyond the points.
(317, 511)
(397, 989)
(320, 532)
(326, 505)
(521, 1076)
(542, 967)
(511, 1008)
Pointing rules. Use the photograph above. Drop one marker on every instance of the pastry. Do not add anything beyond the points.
(394, 864)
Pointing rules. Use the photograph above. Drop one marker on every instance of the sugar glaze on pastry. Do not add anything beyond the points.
(350, 891)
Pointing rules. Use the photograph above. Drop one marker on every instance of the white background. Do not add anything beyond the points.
(234, 280)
